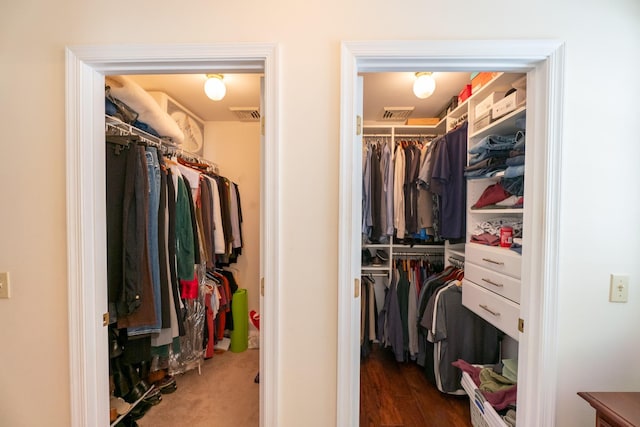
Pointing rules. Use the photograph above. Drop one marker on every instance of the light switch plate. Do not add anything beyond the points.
(619, 288)
(4, 285)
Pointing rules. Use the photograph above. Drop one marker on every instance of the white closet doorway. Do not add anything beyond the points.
(86, 237)
(543, 62)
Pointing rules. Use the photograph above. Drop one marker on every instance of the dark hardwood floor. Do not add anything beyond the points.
(399, 394)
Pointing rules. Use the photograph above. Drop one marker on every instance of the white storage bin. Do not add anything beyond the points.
(482, 121)
(508, 103)
(484, 106)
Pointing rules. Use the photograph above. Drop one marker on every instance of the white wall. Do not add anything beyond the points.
(235, 148)
(599, 230)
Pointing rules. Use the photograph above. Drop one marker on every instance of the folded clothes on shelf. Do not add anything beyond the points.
(491, 195)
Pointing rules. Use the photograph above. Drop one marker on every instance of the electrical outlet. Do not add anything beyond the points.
(4, 285)
(619, 288)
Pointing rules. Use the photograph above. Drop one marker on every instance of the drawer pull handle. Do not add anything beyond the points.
(484, 307)
(489, 281)
(492, 261)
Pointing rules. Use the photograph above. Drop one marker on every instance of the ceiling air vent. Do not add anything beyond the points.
(246, 114)
(397, 114)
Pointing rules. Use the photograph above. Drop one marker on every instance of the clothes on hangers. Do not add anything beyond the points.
(449, 330)
(399, 218)
(368, 315)
(397, 322)
(128, 275)
(448, 173)
(412, 159)
(397, 197)
(165, 220)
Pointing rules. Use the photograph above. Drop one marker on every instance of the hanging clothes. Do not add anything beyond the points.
(425, 196)
(398, 193)
(367, 221)
(412, 159)
(397, 320)
(448, 174)
(457, 333)
(368, 313)
(386, 167)
(185, 244)
(164, 218)
(123, 279)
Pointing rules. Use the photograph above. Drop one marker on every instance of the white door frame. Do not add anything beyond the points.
(86, 67)
(543, 60)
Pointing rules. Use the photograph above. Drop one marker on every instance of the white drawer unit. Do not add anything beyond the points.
(501, 260)
(500, 312)
(506, 286)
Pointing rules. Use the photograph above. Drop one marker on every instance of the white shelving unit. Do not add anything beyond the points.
(492, 284)
(502, 264)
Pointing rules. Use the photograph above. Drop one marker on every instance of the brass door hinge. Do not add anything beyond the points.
(262, 286)
(356, 288)
(358, 125)
(521, 325)
(105, 319)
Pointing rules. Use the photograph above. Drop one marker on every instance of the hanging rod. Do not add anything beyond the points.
(194, 158)
(408, 247)
(116, 127)
(456, 262)
(375, 274)
(396, 136)
(416, 254)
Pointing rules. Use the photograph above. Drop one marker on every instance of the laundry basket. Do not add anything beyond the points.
(477, 415)
(476, 407)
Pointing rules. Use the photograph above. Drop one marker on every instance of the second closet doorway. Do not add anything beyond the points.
(542, 61)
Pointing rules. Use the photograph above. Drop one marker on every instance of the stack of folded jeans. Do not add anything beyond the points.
(499, 154)
(488, 157)
(513, 180)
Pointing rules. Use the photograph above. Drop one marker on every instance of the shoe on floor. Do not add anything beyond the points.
(167, 385)
(153, 397)
(155, 376)
(121, 406)
(255, 319)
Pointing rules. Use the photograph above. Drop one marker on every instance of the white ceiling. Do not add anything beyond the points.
(243, 90)
(396, 90)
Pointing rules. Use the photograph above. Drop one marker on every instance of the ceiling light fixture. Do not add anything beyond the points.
(424, 85)
(214, 87)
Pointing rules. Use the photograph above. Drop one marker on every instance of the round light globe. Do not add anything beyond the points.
(214, 87)
(424, 85)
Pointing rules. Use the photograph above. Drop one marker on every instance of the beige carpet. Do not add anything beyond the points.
(224, 395)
